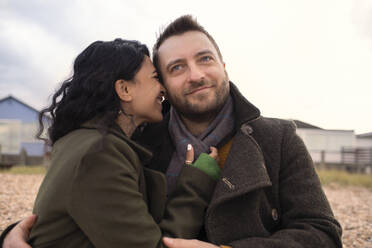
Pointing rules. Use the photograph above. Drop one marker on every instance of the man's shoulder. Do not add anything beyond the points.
(273, 125)
(271, 132)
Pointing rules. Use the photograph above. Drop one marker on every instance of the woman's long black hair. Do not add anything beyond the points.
(90, 92)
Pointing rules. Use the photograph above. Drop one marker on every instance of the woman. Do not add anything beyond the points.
(97, 192)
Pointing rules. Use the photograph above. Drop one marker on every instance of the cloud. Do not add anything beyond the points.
(316, 54)
(58, 18)
(32, 60)
(40, 39)
(362, 16)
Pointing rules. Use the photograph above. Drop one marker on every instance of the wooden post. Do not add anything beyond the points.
(356, 160)
(23, 157)
(322, 159)
(343, 156)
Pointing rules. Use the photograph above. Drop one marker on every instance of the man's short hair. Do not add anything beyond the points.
(180, 26)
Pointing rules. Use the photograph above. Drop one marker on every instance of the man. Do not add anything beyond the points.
(268, 194)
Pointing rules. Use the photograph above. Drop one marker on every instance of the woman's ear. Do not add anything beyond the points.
(124, 90)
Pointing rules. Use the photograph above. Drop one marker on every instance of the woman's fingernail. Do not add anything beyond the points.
(188, 147)
(168, 240)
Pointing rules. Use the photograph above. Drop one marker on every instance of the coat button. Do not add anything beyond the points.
(246, 129)
(274, 214)
(228, 183)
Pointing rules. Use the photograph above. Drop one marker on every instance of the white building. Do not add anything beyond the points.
(364, 140)
(10, 136)
(335, 146)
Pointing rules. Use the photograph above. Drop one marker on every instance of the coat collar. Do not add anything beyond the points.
(245, 168)
(244, 110)
(144, 154)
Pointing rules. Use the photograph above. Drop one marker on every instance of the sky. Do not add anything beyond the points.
(293, 59)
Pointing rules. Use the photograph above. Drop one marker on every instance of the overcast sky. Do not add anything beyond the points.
(294, 59)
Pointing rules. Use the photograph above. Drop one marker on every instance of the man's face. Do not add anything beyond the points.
(193, 74)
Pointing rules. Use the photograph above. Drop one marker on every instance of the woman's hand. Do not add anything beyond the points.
(190, 154)
(186, 243)
(214, 153)
(208, 163)
(18, 236)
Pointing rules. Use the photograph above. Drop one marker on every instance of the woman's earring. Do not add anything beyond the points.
(162, 99)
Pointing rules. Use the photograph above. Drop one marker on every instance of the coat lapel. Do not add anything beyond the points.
(244, 170)
(156, 188)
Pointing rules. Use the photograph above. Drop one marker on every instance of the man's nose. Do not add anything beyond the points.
(196, 73)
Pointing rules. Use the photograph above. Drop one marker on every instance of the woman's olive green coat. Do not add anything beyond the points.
(98, 194)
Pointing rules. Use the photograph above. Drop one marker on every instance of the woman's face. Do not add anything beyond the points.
(147, 94)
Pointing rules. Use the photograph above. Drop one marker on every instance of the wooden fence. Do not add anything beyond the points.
(349, 159)
(8, 160)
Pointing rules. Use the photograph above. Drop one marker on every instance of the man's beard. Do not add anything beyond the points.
(207, 113)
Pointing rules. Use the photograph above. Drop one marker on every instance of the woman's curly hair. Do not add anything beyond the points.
(90, 92)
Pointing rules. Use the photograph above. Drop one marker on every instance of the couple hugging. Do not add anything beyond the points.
(211, 173)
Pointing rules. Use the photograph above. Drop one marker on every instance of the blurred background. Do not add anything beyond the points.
(308, 61)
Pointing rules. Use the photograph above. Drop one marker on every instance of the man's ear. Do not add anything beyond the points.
(124, 90)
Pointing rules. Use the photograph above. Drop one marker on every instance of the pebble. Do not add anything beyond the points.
(352, 206)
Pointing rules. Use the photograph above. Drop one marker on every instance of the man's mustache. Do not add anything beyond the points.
(197, 85)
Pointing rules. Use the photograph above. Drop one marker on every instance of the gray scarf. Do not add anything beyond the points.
(221, 126)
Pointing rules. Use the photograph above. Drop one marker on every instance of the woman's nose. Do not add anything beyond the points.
(162, 89)
(163, 94)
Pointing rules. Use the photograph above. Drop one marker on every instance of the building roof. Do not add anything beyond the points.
(365, 135)
(13, 108)
(301, 124)
(10, 97)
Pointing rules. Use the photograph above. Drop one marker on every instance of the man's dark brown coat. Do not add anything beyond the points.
(269, 194)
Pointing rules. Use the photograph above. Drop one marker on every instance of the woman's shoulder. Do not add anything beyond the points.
(82, 142)
(113, 145)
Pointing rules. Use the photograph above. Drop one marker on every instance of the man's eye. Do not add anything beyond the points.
(206, 58)
(175, 68)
